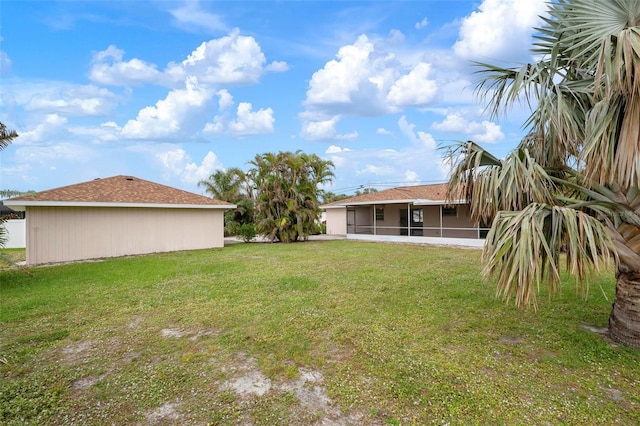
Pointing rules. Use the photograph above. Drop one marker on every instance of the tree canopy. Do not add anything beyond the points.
(225, 185)
(232, 185)
(570, 190)
(6, 137)
(287, 195)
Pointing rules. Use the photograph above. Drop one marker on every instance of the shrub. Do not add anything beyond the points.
(246, 232)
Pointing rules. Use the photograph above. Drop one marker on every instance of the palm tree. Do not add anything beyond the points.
(231, 185)
(6, 136)
(225, 185)
(287, 198)
(572, 185)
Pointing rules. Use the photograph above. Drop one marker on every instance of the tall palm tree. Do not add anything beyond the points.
(572, 185)
(6, 136)
(225, 185)
(231, 185)
(287, 198)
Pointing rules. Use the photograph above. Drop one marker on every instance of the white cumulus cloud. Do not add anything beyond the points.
(414, 89)
(337, 155)
(215, 127)
(484, 131)
(422, 23)
(52, 125)
(249, 122)
(109, 69)
(499, 30)
(315, 130)
(168, 116)
(335, 149)
(277, 66)
(419, 138)
(86, 100)
(340, 78)
(234, 59)
(371, 77)
(324, 130)
(411, 176)
(225, 100)
(246, 122)
(178, 163)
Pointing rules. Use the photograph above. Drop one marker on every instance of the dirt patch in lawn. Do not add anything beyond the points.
(302, 399)
(167, 411)
(78, 351)
(86, 382)
(247, 381)
(191, 334)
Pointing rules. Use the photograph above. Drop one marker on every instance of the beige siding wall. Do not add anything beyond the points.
(61, 234)
(337, 221)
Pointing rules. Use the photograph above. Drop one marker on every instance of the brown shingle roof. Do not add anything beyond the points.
(435, 192)
(120, 189)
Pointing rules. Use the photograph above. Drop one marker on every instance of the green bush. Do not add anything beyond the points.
(231, 228)
(318, 228)
(246, 232)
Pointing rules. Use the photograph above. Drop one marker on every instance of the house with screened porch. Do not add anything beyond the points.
(419, 214)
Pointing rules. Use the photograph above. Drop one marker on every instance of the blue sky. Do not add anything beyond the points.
(171, 91)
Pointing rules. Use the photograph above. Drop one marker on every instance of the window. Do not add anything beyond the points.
(379, 213)
(416, 216)
(449, 211)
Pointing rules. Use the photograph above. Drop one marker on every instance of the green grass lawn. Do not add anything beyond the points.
(339, 332)
(15, 255)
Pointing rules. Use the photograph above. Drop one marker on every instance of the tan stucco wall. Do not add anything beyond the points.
(462, 220)
(336, 221)
(431, 216)
(389, 226)
(61, 234)
(364, 220)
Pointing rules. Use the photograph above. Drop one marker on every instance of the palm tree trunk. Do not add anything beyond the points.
(624, 322)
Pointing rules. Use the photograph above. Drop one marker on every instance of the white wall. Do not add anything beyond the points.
(17, 229)
(336, 221)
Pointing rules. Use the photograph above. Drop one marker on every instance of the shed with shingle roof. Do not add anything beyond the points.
(117, 216)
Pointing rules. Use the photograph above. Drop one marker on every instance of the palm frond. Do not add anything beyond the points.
(524, 248)
(6, 136)
(490, 185)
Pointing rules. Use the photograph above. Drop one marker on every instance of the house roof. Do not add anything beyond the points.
(117, 191)
(420, 194)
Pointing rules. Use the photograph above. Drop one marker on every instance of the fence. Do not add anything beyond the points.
(17, 233)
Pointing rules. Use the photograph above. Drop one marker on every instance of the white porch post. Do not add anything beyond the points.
(346, 219)
(374, 220)
(441, 221)
(408, 219)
